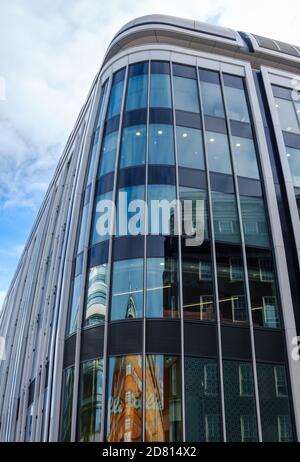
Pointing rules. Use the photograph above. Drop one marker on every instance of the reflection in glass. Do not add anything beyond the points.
(226, 224)
(74, 307)
(108, 153)
(137, 88)
(162, 219)
(160, 88)
(130, 211)
(83, 226)
(293, 157)
(202, 400)
(262, 285)
(254, 221)
(189, 147)
(287, 115)
(161, 144)
(163, 398)
(127, 289)
(236, 104)
(186, 94)
(90, 401)
(244, 155)
(67, 402)
(96, 295)
(212, 100)
(274, 403)
(218, 153)
(124, 409)
(99, 234)
(133, 146)
(115, 100)
(162, 288)
(240, 412)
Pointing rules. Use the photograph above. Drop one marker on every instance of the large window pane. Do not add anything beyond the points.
(186, 94)
(293, 156)
(274, 403)
(124, 409)
(163, 398)
(189, 147)
(137, 89)
(236, 104)
(194, 210)
(130, 211)
(102, 218)
(127, 289)
(90, 401)
(254, 221)
(160, 88)
(287, 115)
(115, 101)
(67, 402)
(162, 288)
(74, 305)
(245, 157)
(133, 146)
(240, 412)
(83, 225)
(262, 285)
(226, 224)
(212, 100)
(108, 153)
(218, 152)
(202, 400)
(161, 144)
(96, 300)
(161, 221)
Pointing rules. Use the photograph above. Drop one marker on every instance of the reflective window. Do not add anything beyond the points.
(202, 400)
(74, 306)
(297, 106)
(160, 88)
(163, 398)
(263, 293)
(137, 89)
(100, 116)
(108, 153)
(195, 212)
(102, 218)
(115, 100)
(67, 402)
(133, 149)
(274, 403)
(127, 289)
(254, 221)
(287, 115)
(96, 297)
(161, 144)
(236, 104)
(130, 211)
(186, 94)
(124, 409)
(189, 148)
(226, 223)
(90, 401)
(212, 100)
(161, 209)
(293, 157)
(83, 226)
(162, 288)
(240, 412)
(244, 155)
(218, 152)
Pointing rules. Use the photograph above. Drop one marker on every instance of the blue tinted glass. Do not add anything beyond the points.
(108, 153)
(212, 99)
(236, 104)
(189, 148)
(115, 101)
(218, 153)
(83, 228)
(161, 144)
(127, 289)
(101, 106)
(160, 91)
(74, 306)
(191, 195)
(293, 156)
(137, 92)
(102, 218)
(287, 115)
(133, 146)
(186, 94)
(226, 224)
(161, 215)
(245, 157)
(130, 211)
(254, 221)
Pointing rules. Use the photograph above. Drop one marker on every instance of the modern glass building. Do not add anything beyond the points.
(141, 336)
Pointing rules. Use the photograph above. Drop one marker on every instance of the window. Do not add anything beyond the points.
(160, 88)
(102, 218)
(115, 101)
(254, 221)
(90, 401)
(287, 115)
(96, 297)
(161, 144)
(67, 403)
(226, 224)
(293, 156)
(137, 88)
(124, 408)
(248, 428)
(74, 306)
(186, 94)
(130, 219)
(212, 100)
(245, 157)
(204, 270)
(245, 380)
(236, 104)
(284, 429)
(83, 225)
(127, 289)
(108, 153)
(202, 395)
(163, 398)
(225, 227)
(280, 381)
(162, 219)
(239, 308)
(162, 288)
(218, 153)
(189, 148)
(265, 270)
(133, 149)
(236, 269)
(270, 312)
(195, 212)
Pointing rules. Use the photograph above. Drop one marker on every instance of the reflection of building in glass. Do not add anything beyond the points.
(127, 337)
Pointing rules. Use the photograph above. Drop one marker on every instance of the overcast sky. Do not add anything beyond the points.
(50, 51)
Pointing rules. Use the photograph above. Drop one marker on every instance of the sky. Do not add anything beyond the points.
(50, 51)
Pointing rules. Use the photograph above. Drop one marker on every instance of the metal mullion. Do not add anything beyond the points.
(237, 197)
(110, 263)
(179, 269)
(214, 261)
(146, 232)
